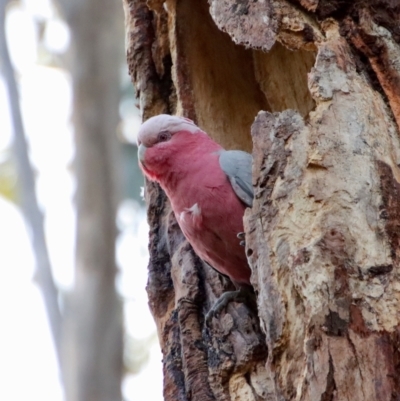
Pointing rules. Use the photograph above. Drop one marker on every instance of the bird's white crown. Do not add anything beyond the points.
(165, 122)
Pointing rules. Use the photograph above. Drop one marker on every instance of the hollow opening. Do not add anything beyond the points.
(225, 85)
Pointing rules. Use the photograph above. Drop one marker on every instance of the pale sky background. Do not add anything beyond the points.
(27, 361)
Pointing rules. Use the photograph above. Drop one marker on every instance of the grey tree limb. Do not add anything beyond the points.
(93, 336)
(29, 204)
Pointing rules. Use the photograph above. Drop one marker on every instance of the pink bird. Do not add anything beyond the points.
(209, 189)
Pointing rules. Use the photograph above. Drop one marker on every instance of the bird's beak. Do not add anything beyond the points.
(142, 153)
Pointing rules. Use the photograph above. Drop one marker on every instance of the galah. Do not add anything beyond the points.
(208, 187)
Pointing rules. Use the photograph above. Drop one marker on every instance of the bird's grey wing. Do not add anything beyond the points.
(236, 164)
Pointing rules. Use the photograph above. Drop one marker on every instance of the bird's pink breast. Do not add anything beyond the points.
(213, 235)
(209, 212)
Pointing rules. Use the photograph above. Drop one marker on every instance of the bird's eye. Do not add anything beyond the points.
(164, 136)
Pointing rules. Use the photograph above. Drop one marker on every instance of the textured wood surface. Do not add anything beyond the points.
(312, 88)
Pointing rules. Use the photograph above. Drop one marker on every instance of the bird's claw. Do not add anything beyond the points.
(222, 302)
(242, 236)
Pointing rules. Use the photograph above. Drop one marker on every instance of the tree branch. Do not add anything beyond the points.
(29, 204)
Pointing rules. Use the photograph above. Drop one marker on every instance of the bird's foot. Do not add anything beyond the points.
(240, 295)
(242, 236)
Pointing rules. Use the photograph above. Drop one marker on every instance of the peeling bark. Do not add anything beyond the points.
(198, 361)
(327, 274)
(322, 239)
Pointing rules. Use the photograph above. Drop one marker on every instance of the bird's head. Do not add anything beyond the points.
(161, 139)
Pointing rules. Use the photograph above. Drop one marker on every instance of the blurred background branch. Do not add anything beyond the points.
(66, 59)
(28, 200)
(93, 327)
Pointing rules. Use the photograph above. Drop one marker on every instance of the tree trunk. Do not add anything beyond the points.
(93, 335)
(322, 80)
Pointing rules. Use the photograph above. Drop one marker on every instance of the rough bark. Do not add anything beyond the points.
(323, 236)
